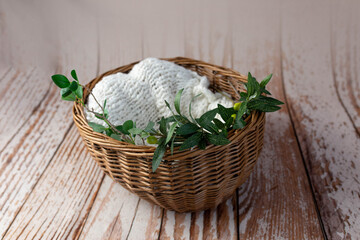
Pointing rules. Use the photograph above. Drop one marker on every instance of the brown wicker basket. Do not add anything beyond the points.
(189, 180)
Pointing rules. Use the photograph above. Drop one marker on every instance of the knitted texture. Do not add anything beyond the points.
(140, 95)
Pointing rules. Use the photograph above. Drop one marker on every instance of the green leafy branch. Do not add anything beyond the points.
(255, 99)
(73, 91)
(178, 130)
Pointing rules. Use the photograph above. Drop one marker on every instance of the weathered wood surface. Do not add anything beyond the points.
(345, 57)
(276, 202)
(306, 183)
(328, 139)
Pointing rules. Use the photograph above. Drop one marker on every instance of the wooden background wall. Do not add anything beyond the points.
(306, 184)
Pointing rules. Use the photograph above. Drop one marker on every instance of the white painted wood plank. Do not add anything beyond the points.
(58, 204)
(207, 37)
(329, 141)
(112, 213)
(345, 57)
(30, 153)
(163, 28)
(276, 201)
(147, 221)
(117, 213)
(28, 36)
(20, 95)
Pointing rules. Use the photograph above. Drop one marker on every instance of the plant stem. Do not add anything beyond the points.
(95, 99)
(103, 118)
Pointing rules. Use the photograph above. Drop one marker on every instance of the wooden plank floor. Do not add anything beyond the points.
(306, 184)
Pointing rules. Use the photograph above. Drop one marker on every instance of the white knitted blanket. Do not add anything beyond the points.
(140, 94)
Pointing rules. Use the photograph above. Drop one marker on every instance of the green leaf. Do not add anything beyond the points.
(97, 127)
(241, 124)
(135, 131)
(171, 132)
(263, 90)
(163, 127)
(253, 96)
(60, 80)
(74, 75)
(217, 139)
(149, 126)
(177, 101)
(73, 86)
(250, 85)
(219, 123)
(109, 131)
(225, 113)
(120, 128)
(144, 134)
(224, 132)
(191, 141)
(202, 143)
(158, 154)
(105, 104)
(79, 92)
(229, 122)
(205, 120)
(172, 145)
(190, 106)
(67, 94)
(169, 107)
(270, 100)
(207, 117)
(127, 125)
(265, 81)
(117, 137)
(243, 95)
(238, 123)
(253, 87)
(211, 127)
(262, 106)
(187, 128)
(177, 118)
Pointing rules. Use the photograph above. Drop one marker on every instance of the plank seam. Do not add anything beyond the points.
(116, 219)
(132, 222)
(296, 136)
(89, 209)
(332, 60)
(6, 73)
(27, 119)
(32, 189)
(237, 215)
(161, 223)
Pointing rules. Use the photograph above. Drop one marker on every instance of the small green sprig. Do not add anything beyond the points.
(255, 99)
(73, 91)
(178, 130)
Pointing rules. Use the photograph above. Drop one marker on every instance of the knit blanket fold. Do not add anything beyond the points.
(140, 95)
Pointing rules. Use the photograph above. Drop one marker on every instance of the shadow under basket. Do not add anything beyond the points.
(189, 180)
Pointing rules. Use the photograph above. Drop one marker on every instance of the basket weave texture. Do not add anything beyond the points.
(189, 180)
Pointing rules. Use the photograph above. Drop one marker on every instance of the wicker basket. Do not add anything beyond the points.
(189, 180)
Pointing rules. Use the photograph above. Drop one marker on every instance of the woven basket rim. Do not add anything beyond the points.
(80, 119)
